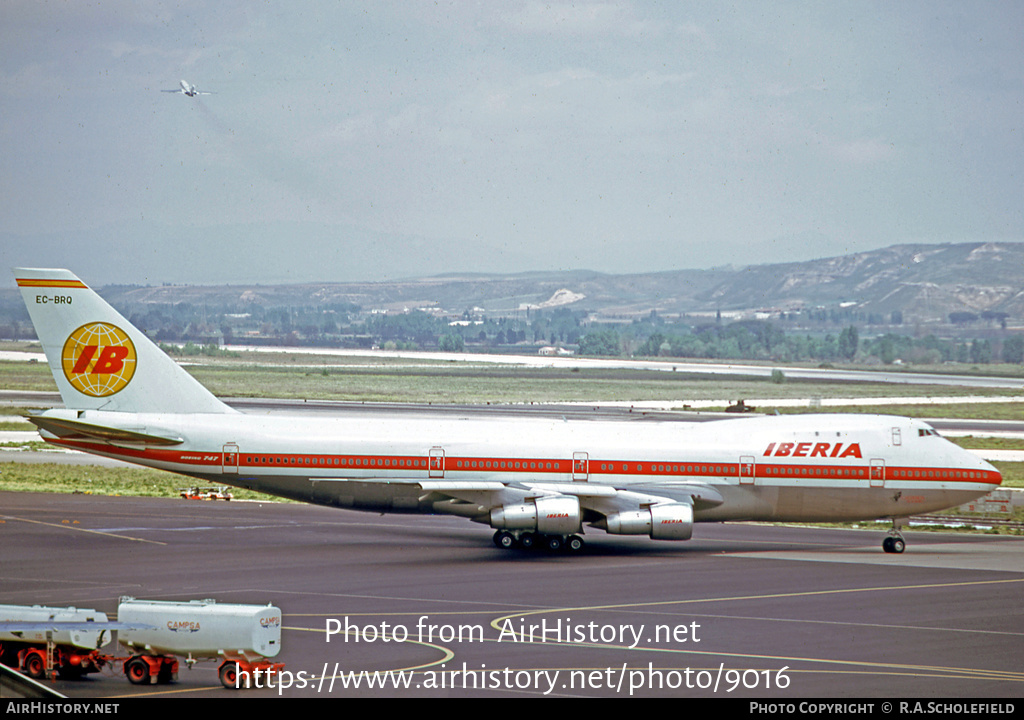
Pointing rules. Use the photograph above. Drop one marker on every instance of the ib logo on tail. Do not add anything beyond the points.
(98, 359)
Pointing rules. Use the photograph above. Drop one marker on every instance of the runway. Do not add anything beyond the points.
(672, 366)
(892, 375)
(766, 612)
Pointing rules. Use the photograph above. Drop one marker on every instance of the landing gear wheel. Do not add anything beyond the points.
(894, 544)
(229, 675)
(505, 540)
(554, 542)
(35, 666)
(137, 671)
(574, 544)
(527, 540)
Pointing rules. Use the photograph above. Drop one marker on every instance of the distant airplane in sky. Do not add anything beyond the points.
(187, 89)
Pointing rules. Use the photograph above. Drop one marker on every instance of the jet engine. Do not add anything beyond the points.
(557, 515)
(665, 521)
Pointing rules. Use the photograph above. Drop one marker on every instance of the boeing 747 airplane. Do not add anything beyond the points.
(536, 482)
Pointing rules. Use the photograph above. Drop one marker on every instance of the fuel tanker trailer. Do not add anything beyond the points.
(241, 636)
(39, 640)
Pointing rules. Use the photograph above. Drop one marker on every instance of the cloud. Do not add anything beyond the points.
(867, 151)
(580, 20)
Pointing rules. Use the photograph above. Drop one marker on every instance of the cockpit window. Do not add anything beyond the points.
(922, 432)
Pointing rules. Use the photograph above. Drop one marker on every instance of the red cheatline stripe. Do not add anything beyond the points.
(52, 283)
(459, 465)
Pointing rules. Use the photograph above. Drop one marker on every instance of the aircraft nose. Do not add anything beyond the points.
(992, 471)
(989, 473)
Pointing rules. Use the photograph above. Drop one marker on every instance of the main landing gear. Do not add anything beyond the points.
(509, 539)
(894, 542)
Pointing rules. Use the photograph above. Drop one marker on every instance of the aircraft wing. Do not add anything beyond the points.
(663, 510)
(602, 498)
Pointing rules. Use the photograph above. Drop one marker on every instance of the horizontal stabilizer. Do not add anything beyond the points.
(76, 430)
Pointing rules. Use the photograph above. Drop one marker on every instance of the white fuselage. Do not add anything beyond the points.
(811, 467)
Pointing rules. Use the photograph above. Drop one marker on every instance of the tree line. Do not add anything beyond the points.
(759, 340)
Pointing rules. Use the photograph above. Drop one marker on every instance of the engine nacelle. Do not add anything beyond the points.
(558, 515)
(632, 522)
(671, 521)
(667, 521)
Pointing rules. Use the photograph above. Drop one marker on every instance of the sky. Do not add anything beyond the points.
(352, 141)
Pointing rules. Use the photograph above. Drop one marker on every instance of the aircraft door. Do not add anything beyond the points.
(877, 472)
(229, 459)
(435, 463)
(580, 467)
(747, 468)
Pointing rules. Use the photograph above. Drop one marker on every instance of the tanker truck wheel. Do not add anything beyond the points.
(229, 675)
(35, 666)
(137, 671)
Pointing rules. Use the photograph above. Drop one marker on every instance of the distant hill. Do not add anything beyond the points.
(923, 282)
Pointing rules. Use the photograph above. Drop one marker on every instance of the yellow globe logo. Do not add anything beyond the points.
(98, 359)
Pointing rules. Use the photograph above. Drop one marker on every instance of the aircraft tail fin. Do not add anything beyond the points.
(101, 361)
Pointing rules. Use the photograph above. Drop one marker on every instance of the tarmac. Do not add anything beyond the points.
(740, 611)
